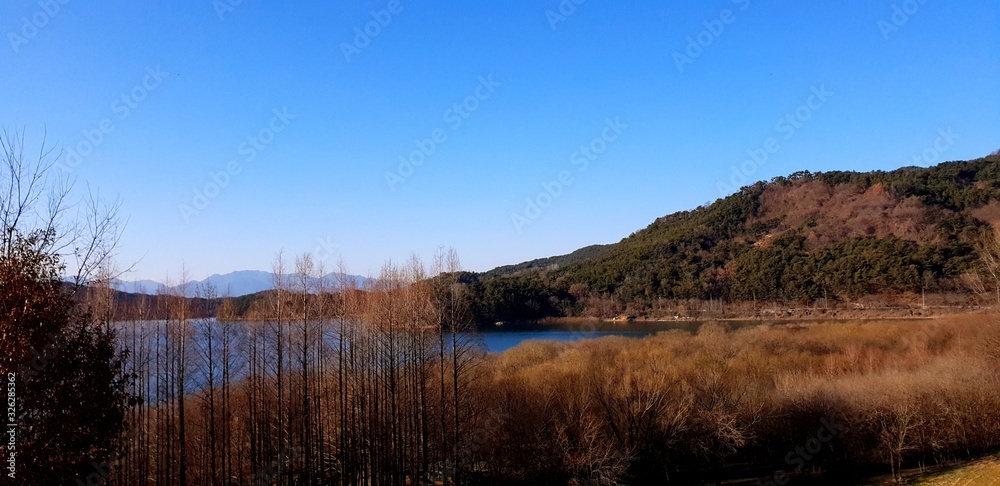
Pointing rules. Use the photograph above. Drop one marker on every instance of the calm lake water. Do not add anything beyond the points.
(502, 338)
(149, 341)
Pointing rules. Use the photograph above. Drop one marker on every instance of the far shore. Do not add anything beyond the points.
(788, 314)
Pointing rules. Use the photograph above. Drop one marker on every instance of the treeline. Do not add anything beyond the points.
(367, 386)
(101, 297)
(952, 185)
(784, 271)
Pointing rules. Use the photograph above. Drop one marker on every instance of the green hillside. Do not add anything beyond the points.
(796, 239)
(550, 263)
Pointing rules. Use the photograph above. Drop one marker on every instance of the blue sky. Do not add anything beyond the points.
(667, 100)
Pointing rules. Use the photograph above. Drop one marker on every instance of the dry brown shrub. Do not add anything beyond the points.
(909, 392)
(529, 353)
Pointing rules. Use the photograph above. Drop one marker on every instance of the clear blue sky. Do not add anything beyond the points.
(894, 86)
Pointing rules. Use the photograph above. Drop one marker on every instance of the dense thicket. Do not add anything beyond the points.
(839, 400)
(63, 375)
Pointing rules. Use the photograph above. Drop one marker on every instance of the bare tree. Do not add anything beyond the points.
(36, 199)
(984, 280)
(178, 332)
(280, 336)
(207, 352)
(458, 354)
(305, 277)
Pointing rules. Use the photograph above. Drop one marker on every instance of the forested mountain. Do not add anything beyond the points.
(550, 263)
(837, 236)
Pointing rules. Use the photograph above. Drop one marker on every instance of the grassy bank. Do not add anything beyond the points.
(788, 400)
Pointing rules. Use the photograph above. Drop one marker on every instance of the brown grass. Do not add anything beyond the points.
(677, 405)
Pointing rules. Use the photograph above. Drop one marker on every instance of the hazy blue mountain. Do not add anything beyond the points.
(233, 284)
(137, 286)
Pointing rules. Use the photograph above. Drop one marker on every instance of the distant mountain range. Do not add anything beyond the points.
(232, 284)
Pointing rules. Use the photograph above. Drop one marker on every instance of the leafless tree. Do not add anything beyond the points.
(36, 199)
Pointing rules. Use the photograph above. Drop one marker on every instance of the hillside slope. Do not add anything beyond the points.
(550, 263)
(795, 239)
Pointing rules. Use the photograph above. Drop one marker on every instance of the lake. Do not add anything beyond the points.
(150, 342)
(501, 338)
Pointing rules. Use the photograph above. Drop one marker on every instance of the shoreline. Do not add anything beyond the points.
(789, 314)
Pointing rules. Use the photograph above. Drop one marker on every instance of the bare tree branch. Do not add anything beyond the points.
(35, 200)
